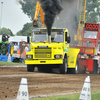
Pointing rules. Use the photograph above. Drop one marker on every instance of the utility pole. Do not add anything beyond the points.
(1, 16)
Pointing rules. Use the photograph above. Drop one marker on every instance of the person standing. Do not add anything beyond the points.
(26, 49)
(15, 48)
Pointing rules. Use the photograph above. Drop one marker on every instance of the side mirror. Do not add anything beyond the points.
(68, 39)
(65, 36)
(28, 39)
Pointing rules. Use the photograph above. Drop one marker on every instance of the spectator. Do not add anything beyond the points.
(26, 49)
(15, 48)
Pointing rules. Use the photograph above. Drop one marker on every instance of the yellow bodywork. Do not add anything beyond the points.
(46, 55)
(12, 47)
(72, 57)
(49, 58)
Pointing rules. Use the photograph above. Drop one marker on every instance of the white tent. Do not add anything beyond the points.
(18, 39)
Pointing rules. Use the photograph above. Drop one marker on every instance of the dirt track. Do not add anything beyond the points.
(40, 83)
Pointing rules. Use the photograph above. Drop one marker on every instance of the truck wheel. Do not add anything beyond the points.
(77, 67)
(30, 68)
(95, 67)
(63, 67)
(98, 70)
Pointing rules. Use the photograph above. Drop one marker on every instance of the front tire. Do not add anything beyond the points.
(63, 67)
(30, 68)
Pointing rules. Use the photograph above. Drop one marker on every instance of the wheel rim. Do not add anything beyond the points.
(76, 69)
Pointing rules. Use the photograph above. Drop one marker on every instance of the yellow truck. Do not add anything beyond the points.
(53, 54)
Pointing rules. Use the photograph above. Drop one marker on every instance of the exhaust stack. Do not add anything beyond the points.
(51, 8)
(49, 39)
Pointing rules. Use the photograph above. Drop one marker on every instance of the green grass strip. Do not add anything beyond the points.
(95, 95)
(10, 63)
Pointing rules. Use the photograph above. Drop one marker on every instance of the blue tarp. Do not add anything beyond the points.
(5, 58)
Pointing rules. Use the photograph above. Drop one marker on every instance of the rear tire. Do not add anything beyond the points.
(30, 68)
(76, 69)
(63, 67)
(98, 70)
(95, 67)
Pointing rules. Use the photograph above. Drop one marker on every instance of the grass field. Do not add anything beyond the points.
(95, 95)
(10, 63)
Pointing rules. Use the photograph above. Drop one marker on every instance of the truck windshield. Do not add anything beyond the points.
(90, 34)
(43, 37)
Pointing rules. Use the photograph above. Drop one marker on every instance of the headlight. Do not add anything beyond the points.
(29, 56)
(58, 56)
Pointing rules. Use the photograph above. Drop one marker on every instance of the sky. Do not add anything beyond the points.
(11, 16)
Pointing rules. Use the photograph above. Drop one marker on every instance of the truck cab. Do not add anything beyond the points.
(56, 54)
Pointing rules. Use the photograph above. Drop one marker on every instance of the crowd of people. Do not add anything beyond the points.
(16, 48)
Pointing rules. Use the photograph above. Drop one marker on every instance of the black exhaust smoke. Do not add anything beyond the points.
(51, 8)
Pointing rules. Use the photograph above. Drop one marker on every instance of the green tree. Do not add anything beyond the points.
(6, 31)
(27, 28)
(28, 7)
(93, 11)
